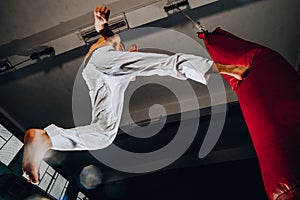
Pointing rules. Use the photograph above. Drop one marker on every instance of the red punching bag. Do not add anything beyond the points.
(269, 97)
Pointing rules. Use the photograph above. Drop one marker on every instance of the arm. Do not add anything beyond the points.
(109, 38)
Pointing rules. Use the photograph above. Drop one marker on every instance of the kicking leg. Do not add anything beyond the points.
(101, 15)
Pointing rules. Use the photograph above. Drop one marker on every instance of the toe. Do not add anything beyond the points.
(26, 176)
(31, 177)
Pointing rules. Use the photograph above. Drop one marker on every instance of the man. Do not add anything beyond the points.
(107, 73)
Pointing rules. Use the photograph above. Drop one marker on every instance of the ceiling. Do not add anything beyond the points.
(37, 93)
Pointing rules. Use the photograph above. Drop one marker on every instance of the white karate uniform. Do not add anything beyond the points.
(107, 74)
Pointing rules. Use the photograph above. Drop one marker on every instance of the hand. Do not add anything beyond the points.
(101, 15)
(133, 78)
(133, 48)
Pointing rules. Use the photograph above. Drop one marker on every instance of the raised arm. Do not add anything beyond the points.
(109, 38)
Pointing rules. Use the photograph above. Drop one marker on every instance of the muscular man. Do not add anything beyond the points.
(107, 73)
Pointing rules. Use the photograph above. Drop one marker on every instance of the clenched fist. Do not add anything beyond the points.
(101, 15)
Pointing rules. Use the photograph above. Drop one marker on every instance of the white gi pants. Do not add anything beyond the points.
(107, 74)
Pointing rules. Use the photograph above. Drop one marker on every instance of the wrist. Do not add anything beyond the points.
(105, 31)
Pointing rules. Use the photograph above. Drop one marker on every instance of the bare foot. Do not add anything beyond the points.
(237, 72)
(36, 144)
